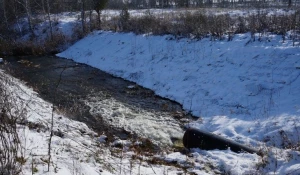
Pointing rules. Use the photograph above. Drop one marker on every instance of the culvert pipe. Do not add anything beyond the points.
(196, 138)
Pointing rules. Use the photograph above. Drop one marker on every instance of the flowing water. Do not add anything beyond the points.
(107, 104)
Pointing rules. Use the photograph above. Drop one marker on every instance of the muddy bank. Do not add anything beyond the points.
(70, 85)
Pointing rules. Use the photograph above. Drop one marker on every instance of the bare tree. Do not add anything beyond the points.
(4, 13)
(26, 5)
(82, 4)
(45, 7)
(49, 19)
(99, 5)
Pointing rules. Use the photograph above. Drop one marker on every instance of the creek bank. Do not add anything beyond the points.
(76, 83)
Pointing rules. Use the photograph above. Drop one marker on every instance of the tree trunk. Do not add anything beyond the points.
(28, 12)
(49, 19)
(91, 24)
(290, 3)
(4, 14)
(99, 19)
(83, 16)
(15, 13)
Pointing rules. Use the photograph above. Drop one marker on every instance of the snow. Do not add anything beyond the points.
(204, 76)
(158, 127)
(107, 14)
(66, 23)
(67, 151)
(245, 90)
(76, 152)
(102, 138)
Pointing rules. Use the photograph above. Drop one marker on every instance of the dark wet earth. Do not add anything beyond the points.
(67, 84)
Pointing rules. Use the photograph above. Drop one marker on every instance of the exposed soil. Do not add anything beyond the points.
(66, 84)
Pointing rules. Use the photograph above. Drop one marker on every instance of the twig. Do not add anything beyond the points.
(52, 117)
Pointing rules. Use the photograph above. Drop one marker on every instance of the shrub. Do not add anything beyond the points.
(11, 156)
(199, 24)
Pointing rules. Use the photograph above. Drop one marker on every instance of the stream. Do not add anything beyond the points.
(107, 104)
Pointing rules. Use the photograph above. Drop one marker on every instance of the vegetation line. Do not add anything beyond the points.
(39, 33)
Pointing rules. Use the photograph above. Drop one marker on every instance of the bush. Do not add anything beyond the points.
(50, 45)
(124, 19)
(11, 156)
(197, 24)
(200, 24)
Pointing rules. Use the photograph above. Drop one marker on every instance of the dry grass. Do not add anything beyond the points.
(199, 24)
(196, 24)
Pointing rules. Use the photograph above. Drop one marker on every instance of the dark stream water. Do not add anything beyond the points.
(69, 85)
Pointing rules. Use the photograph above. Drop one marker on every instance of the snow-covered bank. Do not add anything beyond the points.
(76, 149)
(244, 90)
(253, 79)
(69, 150)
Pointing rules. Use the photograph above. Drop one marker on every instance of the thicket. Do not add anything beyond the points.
(25, 18)
(22, 18)
(199, 24)
(11, 150)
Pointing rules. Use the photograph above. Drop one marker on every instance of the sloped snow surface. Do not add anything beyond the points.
(245, 90)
